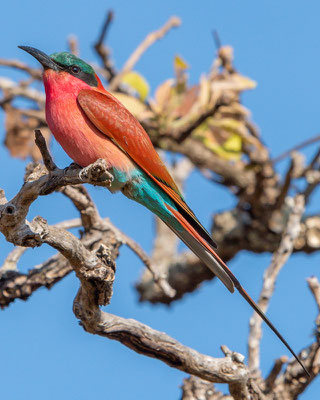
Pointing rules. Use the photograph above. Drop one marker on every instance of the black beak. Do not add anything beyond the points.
(43, 58)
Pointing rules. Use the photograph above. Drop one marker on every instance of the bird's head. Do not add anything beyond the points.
(64, 69)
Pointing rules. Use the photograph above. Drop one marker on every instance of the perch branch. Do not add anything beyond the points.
(145, 340)
(95, 268)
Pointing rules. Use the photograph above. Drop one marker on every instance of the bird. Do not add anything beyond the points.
(90, 123)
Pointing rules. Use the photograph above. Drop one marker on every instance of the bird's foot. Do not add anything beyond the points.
(71, 167)
(98, 173)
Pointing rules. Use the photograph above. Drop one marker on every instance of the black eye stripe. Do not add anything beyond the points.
(90, 79)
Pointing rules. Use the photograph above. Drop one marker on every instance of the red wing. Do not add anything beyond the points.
(115, 121)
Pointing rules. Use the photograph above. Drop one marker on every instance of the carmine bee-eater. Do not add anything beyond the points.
(90, 123)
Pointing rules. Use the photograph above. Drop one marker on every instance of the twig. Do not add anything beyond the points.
(275, 371)
(315, 160)
(147, 42)
(314, 286)
(158, 278)
(16, 285)
(81, 199)
(102, 51)
(312, 175)
(216, 39)
(73, 45)
(278, 260)
(183, 132)
(13, 89)
(10, 263)
(296, 164)
(34, 72)
(147, 341)
(300, 146)
(46, 156)
(293, 382)
(38, 114)
(105, 28)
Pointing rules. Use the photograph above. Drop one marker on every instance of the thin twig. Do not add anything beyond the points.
(10, 263)
(13, 89)
(143, 46)
(159, 279)
(103, 51)
(278, 260)
(73, 45)
(34, 72)
(296, 164)
(275, 371)
(183, 132)
(46, 156)
(314, 286)
(300, 146)
(216, 39)
(104, 29)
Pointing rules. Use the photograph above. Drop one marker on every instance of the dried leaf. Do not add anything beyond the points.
(234, 82)
(20, 134)
(204, 95)
(162, 96)
(187, 100)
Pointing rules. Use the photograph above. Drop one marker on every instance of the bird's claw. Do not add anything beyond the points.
(71, 167)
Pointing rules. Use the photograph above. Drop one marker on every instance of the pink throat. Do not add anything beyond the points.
(60, 84)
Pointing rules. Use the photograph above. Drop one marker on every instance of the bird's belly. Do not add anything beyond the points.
(84, 143)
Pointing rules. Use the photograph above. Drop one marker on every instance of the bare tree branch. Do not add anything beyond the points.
(256, 223)
(103, 51)
(152, 343)
(36, 73)
(13, 89)
(194, 388)
(147, 42)
(278, 260)
(300, 146)
(73, 45)
(95, 268)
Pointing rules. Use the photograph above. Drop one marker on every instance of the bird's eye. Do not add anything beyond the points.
(75, 69)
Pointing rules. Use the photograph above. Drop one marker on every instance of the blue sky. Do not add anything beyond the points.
(45, 353)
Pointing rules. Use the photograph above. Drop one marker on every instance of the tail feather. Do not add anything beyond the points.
(206, 253)
(207, 257)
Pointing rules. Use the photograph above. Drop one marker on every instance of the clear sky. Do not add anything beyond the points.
(44, 353)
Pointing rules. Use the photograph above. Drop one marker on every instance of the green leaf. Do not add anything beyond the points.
(137, 82)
